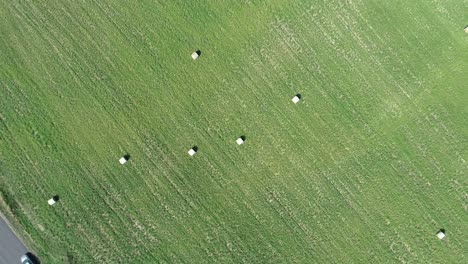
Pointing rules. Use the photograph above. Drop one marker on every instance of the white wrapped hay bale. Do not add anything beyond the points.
(296, 98)
(192, 151)
(53, 200)
(196, 54)
(124, 159)
(441, 234)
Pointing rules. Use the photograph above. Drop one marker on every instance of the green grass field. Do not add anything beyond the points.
(366, 168)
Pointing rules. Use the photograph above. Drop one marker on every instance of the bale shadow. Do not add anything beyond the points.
(56, 198)
(198, 52)
(127, 156)
(299, 96)
(195, 148)
(243, 138)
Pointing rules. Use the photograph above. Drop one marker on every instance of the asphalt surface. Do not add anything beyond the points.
(11, 248)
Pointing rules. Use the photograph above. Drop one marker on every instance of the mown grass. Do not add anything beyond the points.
(365, 169)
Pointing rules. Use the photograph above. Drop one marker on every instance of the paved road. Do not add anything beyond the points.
(11, 248)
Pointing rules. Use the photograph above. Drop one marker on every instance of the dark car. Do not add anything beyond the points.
(29, 258)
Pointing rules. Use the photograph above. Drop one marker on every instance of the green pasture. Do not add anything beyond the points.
(366, 168)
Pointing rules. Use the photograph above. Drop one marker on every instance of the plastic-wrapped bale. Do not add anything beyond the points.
(240, 140)
(196, 54)
(192, 151)
(296, 98)
(53, 200)
(441, 234)
(124, 159)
